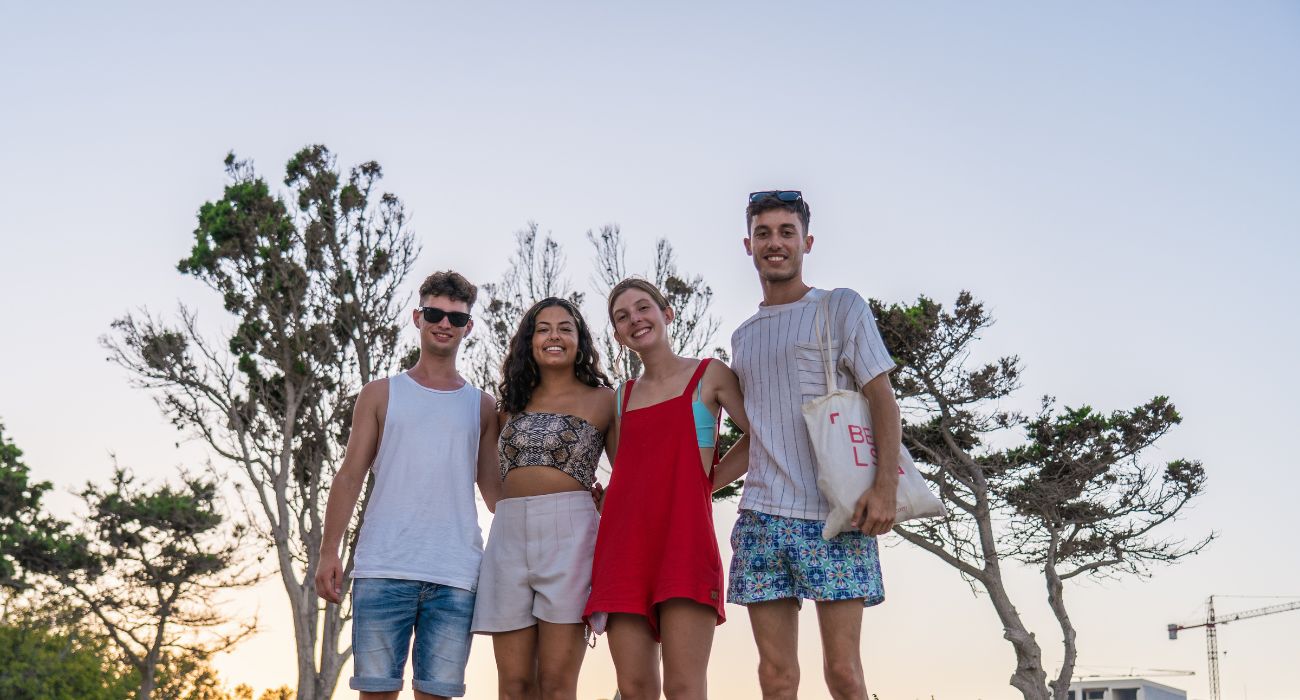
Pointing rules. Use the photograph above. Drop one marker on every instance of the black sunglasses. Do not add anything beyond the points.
(783, 195)
(433, 314)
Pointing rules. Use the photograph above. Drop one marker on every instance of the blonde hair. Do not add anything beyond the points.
(636, 283)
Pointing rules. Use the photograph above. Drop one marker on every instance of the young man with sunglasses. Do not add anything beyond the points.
(779, 558)
(428, 436)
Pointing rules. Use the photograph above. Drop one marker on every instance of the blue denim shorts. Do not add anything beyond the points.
(775, 557)
(385, 613)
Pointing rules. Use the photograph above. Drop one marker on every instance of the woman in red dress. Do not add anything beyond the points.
(657, 576)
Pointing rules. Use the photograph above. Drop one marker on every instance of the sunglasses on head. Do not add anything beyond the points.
(433, 314)
(783, 195)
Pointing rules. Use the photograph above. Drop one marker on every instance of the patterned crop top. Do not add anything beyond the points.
(558, 440)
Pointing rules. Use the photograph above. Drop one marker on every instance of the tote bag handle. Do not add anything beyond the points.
(822, 326)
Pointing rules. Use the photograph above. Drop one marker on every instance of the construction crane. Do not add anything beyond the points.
(1211, 625)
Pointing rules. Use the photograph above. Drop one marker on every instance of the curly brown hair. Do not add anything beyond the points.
(519, 371)
(449, 283)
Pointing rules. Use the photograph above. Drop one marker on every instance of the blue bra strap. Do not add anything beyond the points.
(706, 425)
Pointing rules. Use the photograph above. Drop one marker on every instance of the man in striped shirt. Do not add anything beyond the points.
(779, 557)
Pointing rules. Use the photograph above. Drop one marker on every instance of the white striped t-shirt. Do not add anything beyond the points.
(775, 355)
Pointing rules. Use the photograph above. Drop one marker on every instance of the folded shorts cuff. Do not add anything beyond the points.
(374, 684)
(447, 690)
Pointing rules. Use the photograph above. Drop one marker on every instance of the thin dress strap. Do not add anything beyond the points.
(626, 390)
(695, 378)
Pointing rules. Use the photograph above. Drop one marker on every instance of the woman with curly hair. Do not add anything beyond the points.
(656, 581)
(555, 407)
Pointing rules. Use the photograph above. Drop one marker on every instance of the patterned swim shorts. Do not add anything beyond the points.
(775, 557)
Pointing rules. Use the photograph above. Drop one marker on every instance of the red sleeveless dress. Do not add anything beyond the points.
(656, 538)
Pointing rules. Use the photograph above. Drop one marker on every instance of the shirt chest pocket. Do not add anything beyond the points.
(810, 364)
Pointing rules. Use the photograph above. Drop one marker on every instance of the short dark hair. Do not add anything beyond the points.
(449, 283)
(770, 202)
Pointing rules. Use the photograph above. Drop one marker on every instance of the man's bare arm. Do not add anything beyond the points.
(363, 444)
(876, 508)
(489, 464)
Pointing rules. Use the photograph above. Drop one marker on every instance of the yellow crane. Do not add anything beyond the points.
(1211, 625)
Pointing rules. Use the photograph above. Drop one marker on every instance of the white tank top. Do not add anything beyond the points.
(421, 523)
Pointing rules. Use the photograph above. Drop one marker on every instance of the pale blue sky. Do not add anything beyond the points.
(1118, 181)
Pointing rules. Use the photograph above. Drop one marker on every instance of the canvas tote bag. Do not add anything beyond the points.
(844, 444)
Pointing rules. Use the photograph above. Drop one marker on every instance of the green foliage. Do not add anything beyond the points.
(188, 676)
(25, 532)
(144, 564)
(55, 659)
(41, 663)
(1082, 497)
(727, 437)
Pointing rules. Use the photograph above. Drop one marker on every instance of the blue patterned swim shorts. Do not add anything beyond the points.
(775, 557)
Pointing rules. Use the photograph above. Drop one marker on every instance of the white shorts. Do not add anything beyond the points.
(537, 563)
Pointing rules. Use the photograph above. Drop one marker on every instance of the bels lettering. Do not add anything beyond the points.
(861, 435)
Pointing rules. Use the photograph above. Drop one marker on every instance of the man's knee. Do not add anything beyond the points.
(844, 677)
(779, 677)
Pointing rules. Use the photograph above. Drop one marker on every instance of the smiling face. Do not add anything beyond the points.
(639, 323)
(441, 338)
(555, 338)
(777, 243)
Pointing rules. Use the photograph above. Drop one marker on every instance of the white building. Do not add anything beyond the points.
(1123, 689)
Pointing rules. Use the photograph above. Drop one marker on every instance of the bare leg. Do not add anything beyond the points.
(636, 657)
(776, 632)
(840, 622)
(560, 648)
(686, 629)
(516, 655)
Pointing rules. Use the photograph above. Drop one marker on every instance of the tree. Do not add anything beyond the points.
(192, 677)
(312, 283)
(24, 528)
(690, 297)
(1085, 504)
(534, 272)
(45, 657)
(145, 565)
(1073, 499)
(728, 436)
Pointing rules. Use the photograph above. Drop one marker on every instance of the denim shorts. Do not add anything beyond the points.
(386, 611)
(775, 557)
